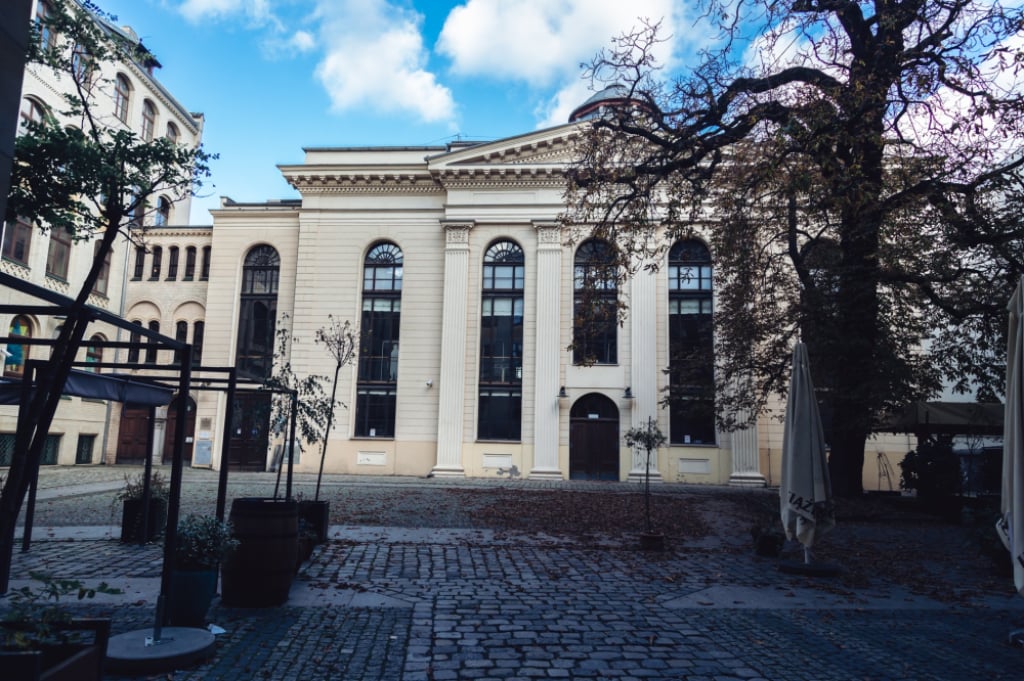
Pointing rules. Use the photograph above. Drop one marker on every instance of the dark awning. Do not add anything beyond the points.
(947, 418)
(116, 387)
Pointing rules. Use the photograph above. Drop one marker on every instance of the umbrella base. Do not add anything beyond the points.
(794, 567)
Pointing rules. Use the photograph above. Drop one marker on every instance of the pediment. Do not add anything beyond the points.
(550, 147)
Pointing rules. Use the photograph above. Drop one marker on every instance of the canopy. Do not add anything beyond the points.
(116, 387)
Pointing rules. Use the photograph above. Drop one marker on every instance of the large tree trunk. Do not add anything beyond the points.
(50, 380)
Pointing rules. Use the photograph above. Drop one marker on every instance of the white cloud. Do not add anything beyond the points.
(374, 58)
(257, 11)
(542, 42)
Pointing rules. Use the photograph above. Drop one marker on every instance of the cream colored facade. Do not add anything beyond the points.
(443, 207)
(80, 433)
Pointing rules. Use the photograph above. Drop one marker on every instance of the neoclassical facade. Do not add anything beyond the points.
(481, 353)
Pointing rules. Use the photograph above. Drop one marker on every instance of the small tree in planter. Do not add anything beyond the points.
(202, 542)
(647, 439)
(139, 522)
(340, 340)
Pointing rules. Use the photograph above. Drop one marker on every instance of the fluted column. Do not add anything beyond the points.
(643, 371)
(746, 461)
(548, 351)
(452, 395)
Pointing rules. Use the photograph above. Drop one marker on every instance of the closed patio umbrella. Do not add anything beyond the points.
(1011, 522)
(805, 496)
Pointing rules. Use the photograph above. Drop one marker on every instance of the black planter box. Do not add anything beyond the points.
(317, 516)
(132, 530)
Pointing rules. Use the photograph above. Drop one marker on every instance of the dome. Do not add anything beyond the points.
(613, 95)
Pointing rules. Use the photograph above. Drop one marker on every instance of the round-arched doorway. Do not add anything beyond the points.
(594, 439)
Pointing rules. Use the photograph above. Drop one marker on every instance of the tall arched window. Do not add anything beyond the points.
(151, 346)
(501, 343)
(204, 273)
(103, 280)
(377, 382)
(163, 212)
(180, 335)
(134, 338)
(140, 263)
(58, 254)
(172, 133)
(190, 263)
(17, 354)
(156, 262)
(94, 353)
(691, 344)
(172, 263)
(595, 309)
(258, 313)
(122, 97)
(17, 240)
(148, 120)
(31, 112)
(198, 329)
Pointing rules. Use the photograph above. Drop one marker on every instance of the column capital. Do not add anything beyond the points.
(549, 234)
(456, 232)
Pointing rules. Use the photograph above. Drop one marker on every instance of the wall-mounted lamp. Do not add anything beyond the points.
(430, 383)
(561, 393)
(628, 395)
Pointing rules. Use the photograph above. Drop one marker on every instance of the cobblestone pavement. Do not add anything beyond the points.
(430, 603)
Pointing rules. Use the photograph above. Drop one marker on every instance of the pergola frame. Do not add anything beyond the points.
(209, 378)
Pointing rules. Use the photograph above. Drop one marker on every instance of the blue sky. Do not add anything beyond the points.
(274, 76)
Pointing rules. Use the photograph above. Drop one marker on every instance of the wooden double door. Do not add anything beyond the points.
(594, 439)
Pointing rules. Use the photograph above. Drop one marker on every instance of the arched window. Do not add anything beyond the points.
(172, 132)
(135, 338)
(148, 120)
(180, 335)
(162, 217)
(156, 262)
(204, 273)
(58, 254)
(82, 66)
(17, 240)
(122, 97)
(190, 263)
(46, 33)
(31, 112)
(691, 344)
(151, 344)
(595, 298)
(94, 353)
(17, 354)
(198, 329)
(103, 280)
(377, 381)
(501, 343)
(172, 263)
(140, 262)
(258, 313)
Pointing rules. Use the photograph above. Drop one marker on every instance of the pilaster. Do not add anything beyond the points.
(643, 371)
(548, 351)
(452, 388)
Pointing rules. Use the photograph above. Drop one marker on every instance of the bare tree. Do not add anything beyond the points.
(857, 166)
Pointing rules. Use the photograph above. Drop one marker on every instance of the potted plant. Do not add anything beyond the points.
(42, 641)
(202, 542)
(141, 522)
(648, 438)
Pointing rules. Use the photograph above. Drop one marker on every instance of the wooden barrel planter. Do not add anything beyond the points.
(259, 572)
